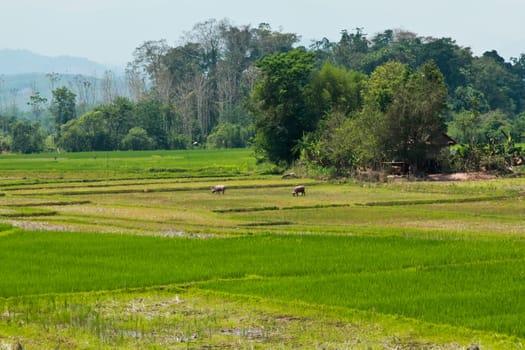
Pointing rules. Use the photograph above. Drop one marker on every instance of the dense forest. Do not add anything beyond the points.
(357, 102)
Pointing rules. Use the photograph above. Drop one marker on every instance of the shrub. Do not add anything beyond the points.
(137, 139)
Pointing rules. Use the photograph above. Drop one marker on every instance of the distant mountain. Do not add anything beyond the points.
(23, 72)
(22, 62)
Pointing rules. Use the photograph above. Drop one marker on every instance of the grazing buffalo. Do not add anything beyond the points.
(218, 189)
(299, 189)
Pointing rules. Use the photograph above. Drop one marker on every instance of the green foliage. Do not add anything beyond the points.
(279, 106)
(518, 129)
(473, 128)
(37, 103)
(335, 94)
(384, 81)
(27, 137)
(332, 95)
(467, 98)
(415, 120)
(351, 48)
(464, 127)
(500, 154)
(333, 89)
(237, 115)
(6, 143)
(224, 81)
(490, 76)
(368, 130)
(229, 136)
(119, 117)
(209, 75)
(87, 133)
(63, 107)
(402, 116)
(157, 120)
(136, 139)
(268, 41)
(333, 147)
(467, 158)
(180, 141)
(452, 60)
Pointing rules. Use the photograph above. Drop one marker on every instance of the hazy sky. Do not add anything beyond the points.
(107, 31)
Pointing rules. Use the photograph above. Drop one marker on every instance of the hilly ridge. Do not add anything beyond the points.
(23, 72)
(13, 62)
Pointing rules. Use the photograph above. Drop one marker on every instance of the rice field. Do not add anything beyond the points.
(132, 250)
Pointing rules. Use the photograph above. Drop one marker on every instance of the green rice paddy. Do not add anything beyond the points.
(132, 250)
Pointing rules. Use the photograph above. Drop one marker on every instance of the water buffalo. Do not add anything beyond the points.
(218, 189)
(299, 189)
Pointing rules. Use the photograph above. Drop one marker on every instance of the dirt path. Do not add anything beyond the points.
(461, 176)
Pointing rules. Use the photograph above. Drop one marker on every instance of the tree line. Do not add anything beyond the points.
(357, 101)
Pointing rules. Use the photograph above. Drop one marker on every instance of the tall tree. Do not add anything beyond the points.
(402, 117)
(237, 58)
(392, 45)
(87, 133)
(63, 107)
(27, 137)
(109, 87)
(351, 49)
(136, 83)
(368, 130)
(155, 120)
(149, 60)
(518, 69)
(335, 89)
(119, 118)
(208, 35)
(37, 104)
(494, 78)
(414, 120)
(383, 82)
(186, 67)
(267, 41)
(278, 103)
(333, 96)
(451, 59)
(86, 92)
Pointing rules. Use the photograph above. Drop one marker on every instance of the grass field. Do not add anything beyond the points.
(131, 250)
